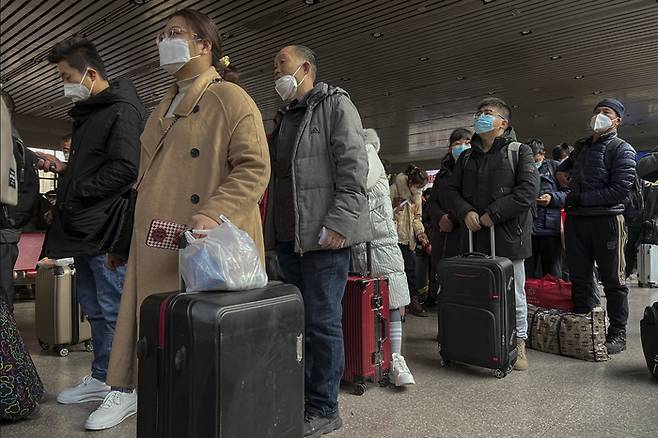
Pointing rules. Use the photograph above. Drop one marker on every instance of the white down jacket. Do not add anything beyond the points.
(386, 257)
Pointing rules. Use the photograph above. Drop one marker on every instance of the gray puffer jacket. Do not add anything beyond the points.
(329, 172)
(386, 257)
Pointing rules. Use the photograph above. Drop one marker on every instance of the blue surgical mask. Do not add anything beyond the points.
(484, 123)
(538, 164)
(456, 151)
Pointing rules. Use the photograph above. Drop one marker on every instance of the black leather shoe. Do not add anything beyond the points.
(316, 426)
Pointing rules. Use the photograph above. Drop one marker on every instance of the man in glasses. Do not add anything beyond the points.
(496, 183)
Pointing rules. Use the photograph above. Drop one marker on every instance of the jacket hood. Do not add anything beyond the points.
(120, 91)
(321, 91)
(402, 184)
(372, 138)
(508, 136)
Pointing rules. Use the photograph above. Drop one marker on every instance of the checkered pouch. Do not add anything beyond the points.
(165, 235)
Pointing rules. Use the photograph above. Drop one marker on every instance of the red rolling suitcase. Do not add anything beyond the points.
(366, 331)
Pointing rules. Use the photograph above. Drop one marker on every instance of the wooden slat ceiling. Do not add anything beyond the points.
(474, 50)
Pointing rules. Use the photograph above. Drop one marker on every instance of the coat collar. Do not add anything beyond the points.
(192, 95)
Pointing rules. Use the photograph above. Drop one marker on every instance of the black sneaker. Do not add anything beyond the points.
(615, 341)
(316, 426)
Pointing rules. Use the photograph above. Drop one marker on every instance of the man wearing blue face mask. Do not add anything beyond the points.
(495, 183)
(602, 174)
(546, 238)
(108, 118)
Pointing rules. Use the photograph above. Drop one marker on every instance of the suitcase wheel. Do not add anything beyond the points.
(89, 346)
(445, 363)
(500, 374)
(44, 346)
(62, 350)
(385, 380)
(360, 388)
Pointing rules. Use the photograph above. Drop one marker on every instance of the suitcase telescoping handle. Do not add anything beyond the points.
(492, 236)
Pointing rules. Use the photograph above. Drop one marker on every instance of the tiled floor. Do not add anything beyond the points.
(557, 397)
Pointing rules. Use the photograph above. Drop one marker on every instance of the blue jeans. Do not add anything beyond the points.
(99, 294)
(321, 276)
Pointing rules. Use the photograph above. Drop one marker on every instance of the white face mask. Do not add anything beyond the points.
(600, 123)
(287, 85)
(174, 54)
(78, 92)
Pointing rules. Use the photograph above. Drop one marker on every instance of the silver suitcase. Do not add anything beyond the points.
(647, 266)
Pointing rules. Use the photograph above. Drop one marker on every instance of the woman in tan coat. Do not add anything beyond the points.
(204, 154)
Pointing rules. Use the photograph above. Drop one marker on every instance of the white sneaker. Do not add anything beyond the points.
(116, 407)
(401, 374)
(89, 390)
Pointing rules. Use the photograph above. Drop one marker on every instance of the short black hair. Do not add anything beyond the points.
(459, 134)
(497, 103)
(80, 53)
(559, 153)
(536, 145)
(309, 55)
(9, 101)
(66, 137)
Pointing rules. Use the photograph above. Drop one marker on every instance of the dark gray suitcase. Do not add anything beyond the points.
(222, 364)
(477, 310)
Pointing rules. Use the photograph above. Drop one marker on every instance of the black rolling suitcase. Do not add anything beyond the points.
(477, 310)
(222, 364)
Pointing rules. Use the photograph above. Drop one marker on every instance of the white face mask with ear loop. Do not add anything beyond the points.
(78, 92)
(174, 54)
(600, 123)
(287, 85)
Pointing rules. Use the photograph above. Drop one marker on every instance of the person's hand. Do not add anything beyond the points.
(485, 220)
(422, 238)
(48, 217)
(113, 262)
(445, 224)
(564, 178)
(202, 222)
(49, 163)
(334, 240)
(396, 203)
(544, 200)
(472, 221)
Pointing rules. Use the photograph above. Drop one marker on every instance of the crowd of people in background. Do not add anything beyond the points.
(329, 194)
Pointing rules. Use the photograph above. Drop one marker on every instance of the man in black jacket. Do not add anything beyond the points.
(495, 183)
(602, 172)
(15, 217)
(108, 119)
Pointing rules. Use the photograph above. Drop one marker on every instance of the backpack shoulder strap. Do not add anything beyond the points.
(513, 154)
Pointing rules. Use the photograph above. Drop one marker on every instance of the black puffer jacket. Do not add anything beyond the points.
(445, 244)
(600, 186)
(485, 182)
(548, 220)
(103, 164)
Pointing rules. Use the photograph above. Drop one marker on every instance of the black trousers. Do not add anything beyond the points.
(546, 257)
(599, 239)
(409, 269)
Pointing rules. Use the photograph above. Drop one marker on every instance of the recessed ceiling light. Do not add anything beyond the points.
(596, 92)
(388, 93)
(226, 35)
(491, 93)
(487, 1)
(643, 132)
(555, 57)
(460, 78)
(345, 79)
(311, 2)
(536, 116)
(526, 32)
(536, 89)
(579, 77)
(376, 34)
(423, 58)
(139, 2)
(515, 106)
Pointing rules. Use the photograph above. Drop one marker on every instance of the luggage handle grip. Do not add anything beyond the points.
(492, 237)
(384, 328)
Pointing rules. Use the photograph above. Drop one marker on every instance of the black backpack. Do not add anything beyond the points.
(649, 335)
(634, 203)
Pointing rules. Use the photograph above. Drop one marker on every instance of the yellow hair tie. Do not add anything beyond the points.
(224, 62)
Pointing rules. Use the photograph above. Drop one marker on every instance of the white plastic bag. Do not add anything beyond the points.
(225, 259)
